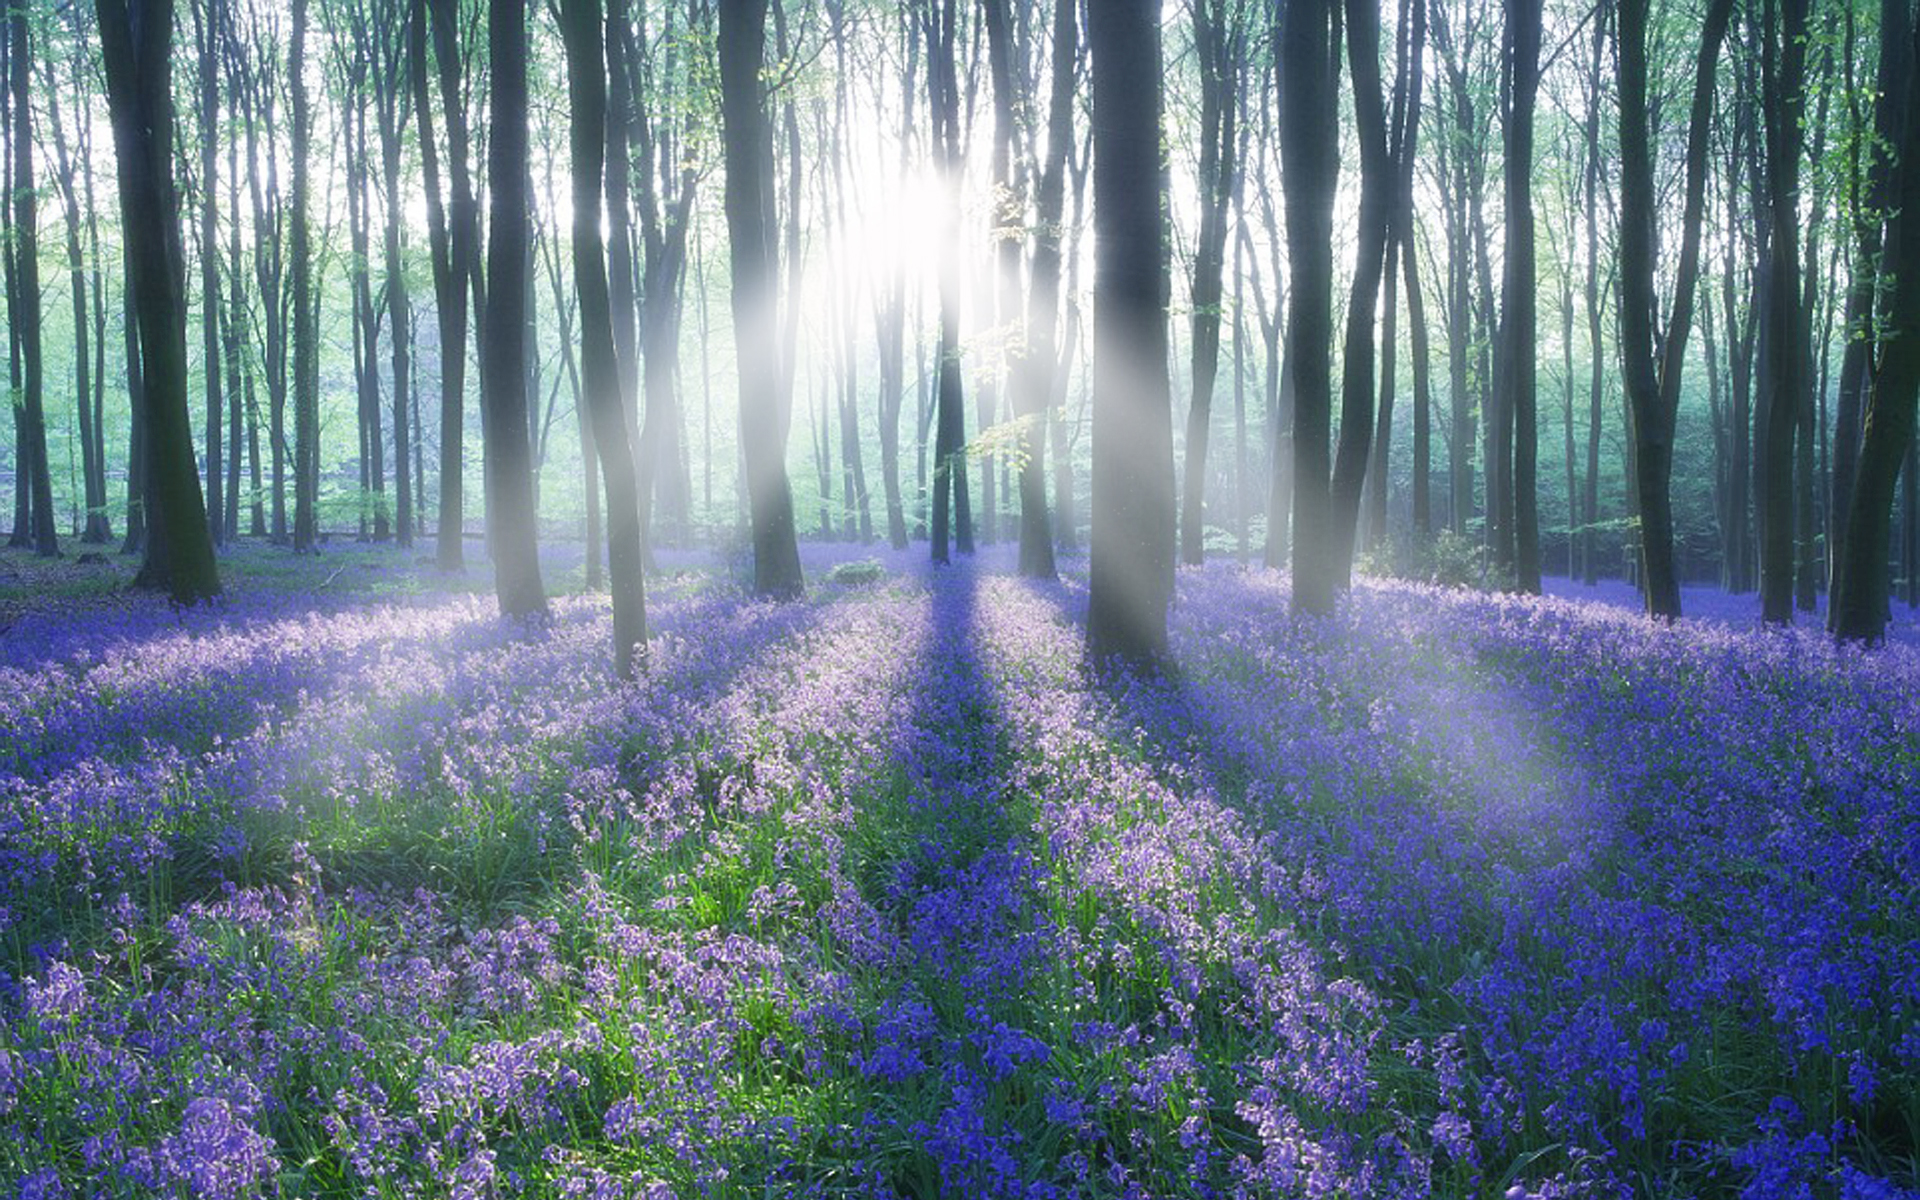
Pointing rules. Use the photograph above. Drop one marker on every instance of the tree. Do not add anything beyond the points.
(136, 41)
(1217, 44)
(1035, 369)
(25, 300)
(751, 229)
(1130, 567)
(207, 18)
(1783, 375)
(1519, 322)
(503, 352)
(306, 318)
(1888, 438)
(581, 27)
(1310, 169)
(951, 506)
(1650, 364)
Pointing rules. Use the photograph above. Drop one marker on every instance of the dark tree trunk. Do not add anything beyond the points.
(136, 39)
(1130, 571)
(25, 310)
(1783, 377)
(600, 369)
(462, 254)
(1651, 366)
(1033, 378)
(752, 229)
(1519, 323)
(1403, 137)
(1310, 162)
(503, 358)
(951, 511)
(1864, 595)
(1358, 349)
(1217, 44)
(1870, 195)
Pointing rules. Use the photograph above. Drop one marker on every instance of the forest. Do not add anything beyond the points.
(975, 598)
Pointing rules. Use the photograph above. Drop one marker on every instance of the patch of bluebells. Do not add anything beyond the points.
(886, 895)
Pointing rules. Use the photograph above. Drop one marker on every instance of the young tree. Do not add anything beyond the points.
(1130, 569)
(1783, 377)
(1519, 322)
(1651, 363)
(207, 18)
(951, 503)
(1034, 371)
(503, 355)
(581, 29)
(1310, 169)
(1865, 578)
(306, 319)
(136, 38)
(25, 306)
(751, 228)
(1217, 41)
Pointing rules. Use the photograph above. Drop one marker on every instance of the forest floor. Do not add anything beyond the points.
(345, 887)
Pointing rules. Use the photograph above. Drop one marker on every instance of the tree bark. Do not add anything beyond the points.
(1130, 570)
(26, 315)
(1310, 165)
(136, 39)
(1866, 579)
(503, 360)
(1783, 378)
(751, 226)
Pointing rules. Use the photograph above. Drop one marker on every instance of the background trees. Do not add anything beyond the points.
(899, 200)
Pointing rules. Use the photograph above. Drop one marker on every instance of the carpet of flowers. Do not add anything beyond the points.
(885, 894)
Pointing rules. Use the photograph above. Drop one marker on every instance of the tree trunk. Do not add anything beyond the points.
(207, 18)
(1310, 162)
(503, 360)
(136, 39)
(26, 308)
(306, 332)
(1359, 347)
(600, 368)
(751, 227)
(1217, 47)
(1519, 325)
(1783, 377)
(1130, 571)
(1865, 591)
(1651, 367)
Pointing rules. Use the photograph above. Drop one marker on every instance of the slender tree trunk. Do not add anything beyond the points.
(1217, 45)
(1358, 349)
(1783, 378)
(306, 332)
(1519, 326)
(600, 368)
(503, 360)
(463, 258)
(25, 312)
(752, 229)
(207, 18)
(1651, 369)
